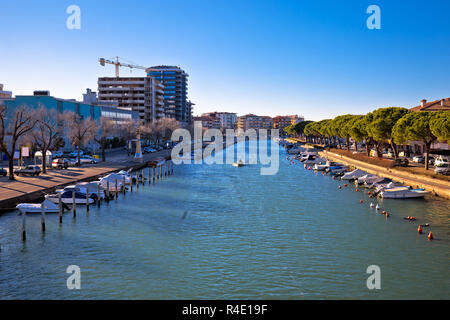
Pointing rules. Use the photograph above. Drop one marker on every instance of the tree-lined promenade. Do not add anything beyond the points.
(46, 129)
(391, 126)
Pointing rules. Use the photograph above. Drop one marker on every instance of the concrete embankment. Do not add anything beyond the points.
(437, 187)
(32, 189)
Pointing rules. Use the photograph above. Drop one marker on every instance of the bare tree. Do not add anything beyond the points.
(45, 131)
(79, 131)
(107, 128)
(15, 124)
(163, 128)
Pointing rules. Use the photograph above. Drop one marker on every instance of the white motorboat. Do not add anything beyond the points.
(355, 174)
(367, 179)
(111, 180)
(336, 170)
(67, 197)
(403, 193)
(312, 159)
(92, 188)
(305, 156)
(390, 185)
(377, 183)
(49, 207)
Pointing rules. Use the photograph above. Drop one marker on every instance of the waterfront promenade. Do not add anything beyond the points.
(26, 188)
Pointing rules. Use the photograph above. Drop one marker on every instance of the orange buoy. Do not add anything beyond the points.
(369, 193)
(357, 190)
(419, 229)
(383, 212)
(387, 215)
(345, 185)
(430, 236)
(360, 201)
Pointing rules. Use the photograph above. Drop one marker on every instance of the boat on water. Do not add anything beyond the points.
(352, 175)
(312, 159)
(49, 207)
(239, 163)
(336, 170)
(84, 187)
(67, 197)
(377, 183)
(323, 166)
(111, 179)
(403, 193)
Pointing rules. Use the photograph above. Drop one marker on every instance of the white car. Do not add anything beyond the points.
(441, 160)
(442, 168)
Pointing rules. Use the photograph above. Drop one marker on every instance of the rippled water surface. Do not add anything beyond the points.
(293, 235)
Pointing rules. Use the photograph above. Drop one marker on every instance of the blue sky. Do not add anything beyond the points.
(313, 58)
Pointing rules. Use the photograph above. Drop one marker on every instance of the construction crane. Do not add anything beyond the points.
(118, 64)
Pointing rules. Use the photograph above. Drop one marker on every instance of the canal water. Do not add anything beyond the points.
(221, 232)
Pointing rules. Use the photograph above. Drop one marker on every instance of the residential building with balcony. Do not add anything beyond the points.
(228, 120)
(174, 80)
(144, 95)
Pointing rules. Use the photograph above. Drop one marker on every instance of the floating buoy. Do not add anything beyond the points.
(372, 205)
(357, 190)
(339, 187)
(369, 193)
(387, 215)
(360, 201)
(345, 185)
(334, 177)
(377, 207)
(305, 166)
(383, 212)
(371, 196)
(419, 229)
(430, 236)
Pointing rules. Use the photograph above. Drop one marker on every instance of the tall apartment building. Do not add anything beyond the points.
(142, 94)
(281, 122)
(228, 120)
(174, 80)
(251, 121)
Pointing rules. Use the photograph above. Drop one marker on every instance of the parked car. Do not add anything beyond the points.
(60, 163)
(3, 172)
(441, 159)
(31, 170)
(401, 162)
(442, 168)
(71, 161)
(88, 159)
(419, 159)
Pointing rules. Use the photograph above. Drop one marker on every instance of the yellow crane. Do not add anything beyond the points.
(118, 64)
